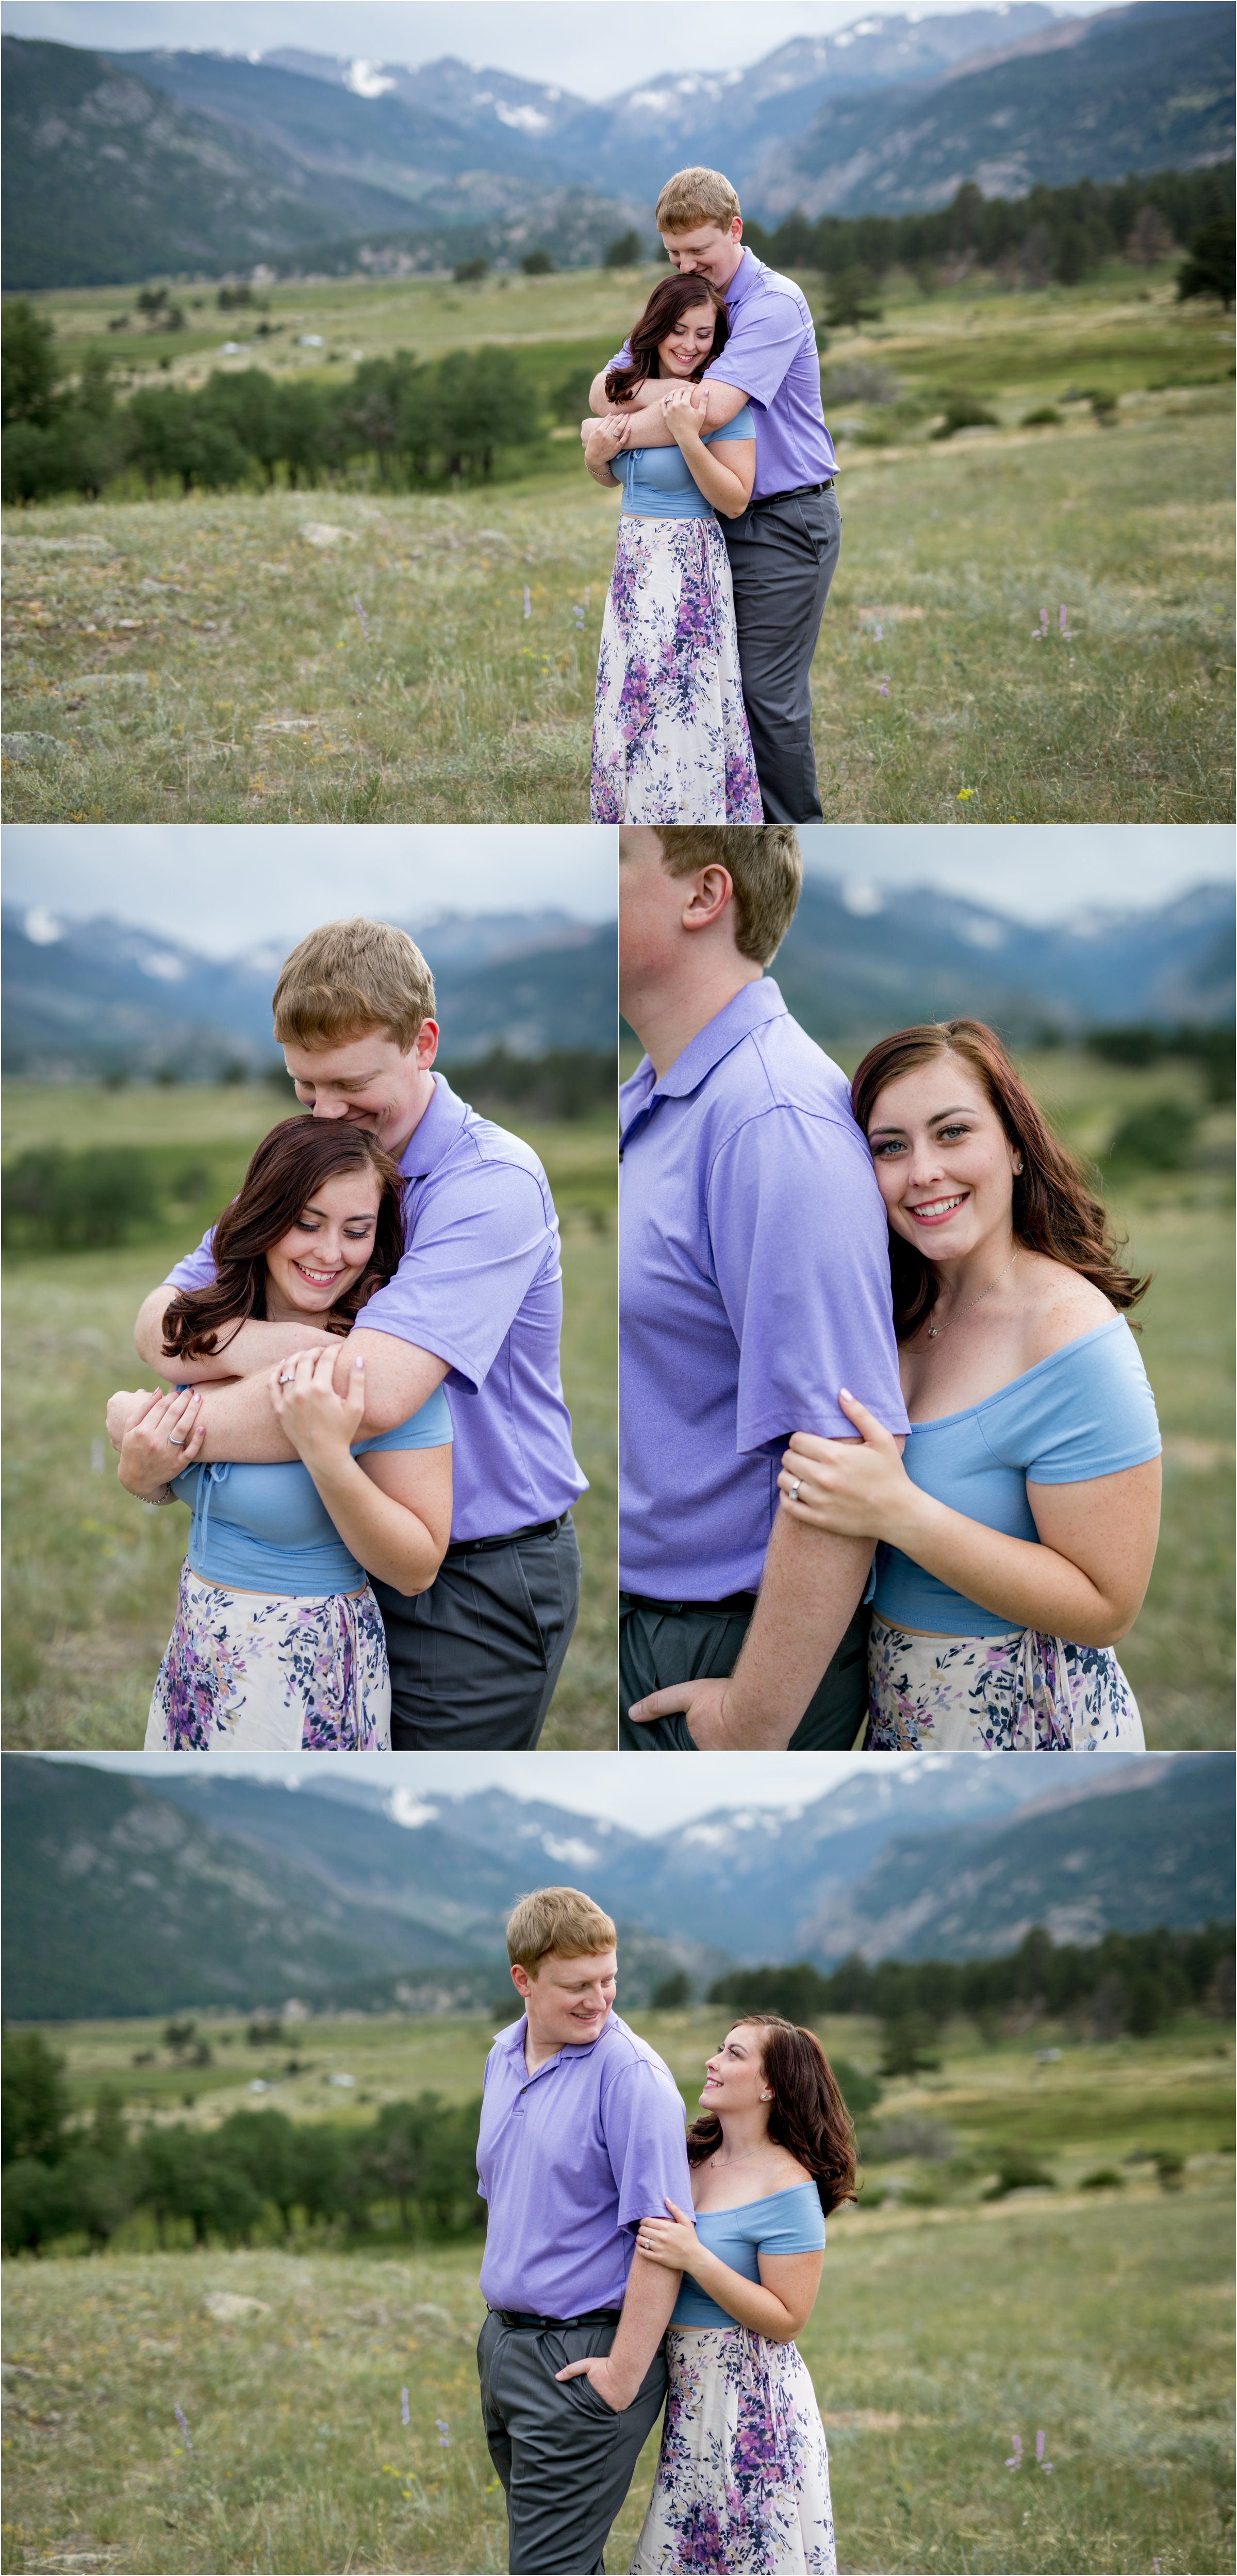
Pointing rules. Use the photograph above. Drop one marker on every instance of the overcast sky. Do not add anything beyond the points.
(682, 1785)
(218, 888)
(1041, 872)
(582, 45)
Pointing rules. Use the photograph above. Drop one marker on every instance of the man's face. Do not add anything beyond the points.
(567, 2000)
(706, 251)
(366, 1080)
(650, 907)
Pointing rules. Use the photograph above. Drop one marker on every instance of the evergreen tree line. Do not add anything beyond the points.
(1061, 234)
(258, 2174)
(1129, 1981)
(411, 421)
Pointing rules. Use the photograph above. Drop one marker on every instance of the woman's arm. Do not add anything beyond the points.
(728, 486)
(1085, 1580)
(392, 1508)
(777, 2307)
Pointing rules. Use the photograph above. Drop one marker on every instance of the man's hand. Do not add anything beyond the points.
(616, 2392)
(702, 1703)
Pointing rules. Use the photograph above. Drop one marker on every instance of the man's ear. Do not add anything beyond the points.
(425, 1045)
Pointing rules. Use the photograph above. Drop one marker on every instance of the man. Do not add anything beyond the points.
(581, 2138)
(754, 1284)
(784, 547)
(476, 1301)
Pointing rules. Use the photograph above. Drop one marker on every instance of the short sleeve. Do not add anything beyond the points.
(799, 2228)
(477, 1247)
(646, 2142)
(742, 426)
(430, 1428)
(197, 1270)
(763, 345)
(801, 1254)
(1091, 1414)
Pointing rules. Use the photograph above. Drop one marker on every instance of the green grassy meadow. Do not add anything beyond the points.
(945, 2325)
(91, 1581)
(230, 677)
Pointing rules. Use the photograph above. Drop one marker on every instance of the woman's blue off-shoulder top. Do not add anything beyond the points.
(267, 1529)
(784, 2222)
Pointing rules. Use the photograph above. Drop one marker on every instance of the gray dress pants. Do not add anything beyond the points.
(783, 556)
(565, 2458)
(475, 1660)
(676, 1642)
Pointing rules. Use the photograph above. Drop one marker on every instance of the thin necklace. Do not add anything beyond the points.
(937, 1332)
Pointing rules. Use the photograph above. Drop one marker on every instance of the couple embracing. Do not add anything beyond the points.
(627, 2267)
(364, 1414)
(710, 419)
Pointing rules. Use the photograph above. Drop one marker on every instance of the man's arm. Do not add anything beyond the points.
(246, 1352)
(808, 1597)
(399, 1379)
(618, 2375)
(648, 429)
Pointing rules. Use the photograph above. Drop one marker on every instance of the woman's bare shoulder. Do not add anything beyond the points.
(1061, 1306)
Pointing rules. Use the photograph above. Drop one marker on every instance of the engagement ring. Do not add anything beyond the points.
(173, 1442)
(793, 1489)
(286, 1377)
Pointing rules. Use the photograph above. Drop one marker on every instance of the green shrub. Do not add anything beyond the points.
(1017, 2171)
(1106, 2178)
(963, 411)
(65, 1202)
(625, 251)
(674, 1993)
(1047, 417)
(537, 263)
(1156, 1138)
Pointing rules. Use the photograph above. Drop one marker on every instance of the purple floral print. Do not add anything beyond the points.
(742, 2485)
(1020, 1693)
(670, 737)
(274, 1669)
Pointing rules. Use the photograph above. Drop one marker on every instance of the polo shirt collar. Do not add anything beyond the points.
(512, 2042)
(752, 1007)
(434, 1133)
(745, 276)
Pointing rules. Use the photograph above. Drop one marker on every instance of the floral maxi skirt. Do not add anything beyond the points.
(283, 1671)
(670, 737)
(1019, 1693)
(742, 2485)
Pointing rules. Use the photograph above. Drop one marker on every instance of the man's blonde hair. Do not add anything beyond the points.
(696, 197)
(766, 868)
(350, 977)
(558, 1922)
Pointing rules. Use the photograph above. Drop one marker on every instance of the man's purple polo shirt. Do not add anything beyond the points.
(771, 353)
(570, 2160)
(481, 1286)
(753, 1283)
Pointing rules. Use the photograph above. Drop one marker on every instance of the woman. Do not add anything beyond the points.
(743, 2479)
(278, 1638)
(670, 737)
(1018, 1530)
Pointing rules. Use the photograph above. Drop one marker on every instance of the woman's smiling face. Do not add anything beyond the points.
(734, 2076)
(315, 1263)
(689, 342)
(943, 1160)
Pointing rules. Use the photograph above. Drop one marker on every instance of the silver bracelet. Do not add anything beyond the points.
(156, 1502)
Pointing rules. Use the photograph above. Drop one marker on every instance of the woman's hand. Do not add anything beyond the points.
(671, 2242)
(605, 437)
(851, 1488)
(685, 412)
(320, 1424)
(162, 1436)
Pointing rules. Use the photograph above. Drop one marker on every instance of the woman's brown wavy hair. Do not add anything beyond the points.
(807, 2115)
(1055, 1210)
(289, 1165)
(665, 309)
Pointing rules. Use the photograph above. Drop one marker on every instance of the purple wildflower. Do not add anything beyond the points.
(883, 691)
(403, 2406)
(1062, 614)
(577, 612)
(1016, 2461)
(444, 2434)
(528, 601)
(878, 632)
(361, 614)
(1041, 2462)
(188, 2437)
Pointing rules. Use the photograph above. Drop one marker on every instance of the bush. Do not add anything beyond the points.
(962, 411)
(853, 299)
(1208, 266)
(1017, 2171)
(466, 272)
(674, 1992)
(569, 400)
(1157, 1138)
(909, 2136)
(537, 263)
(1047, 417)
(1106, 2178)
(35, 2102)
(625, 251)
(909, 2048)
(78, 1202)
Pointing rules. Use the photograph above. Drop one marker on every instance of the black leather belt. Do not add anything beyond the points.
(736, 1605)
(482, 1546)
(594, 2317)
(799, 492)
